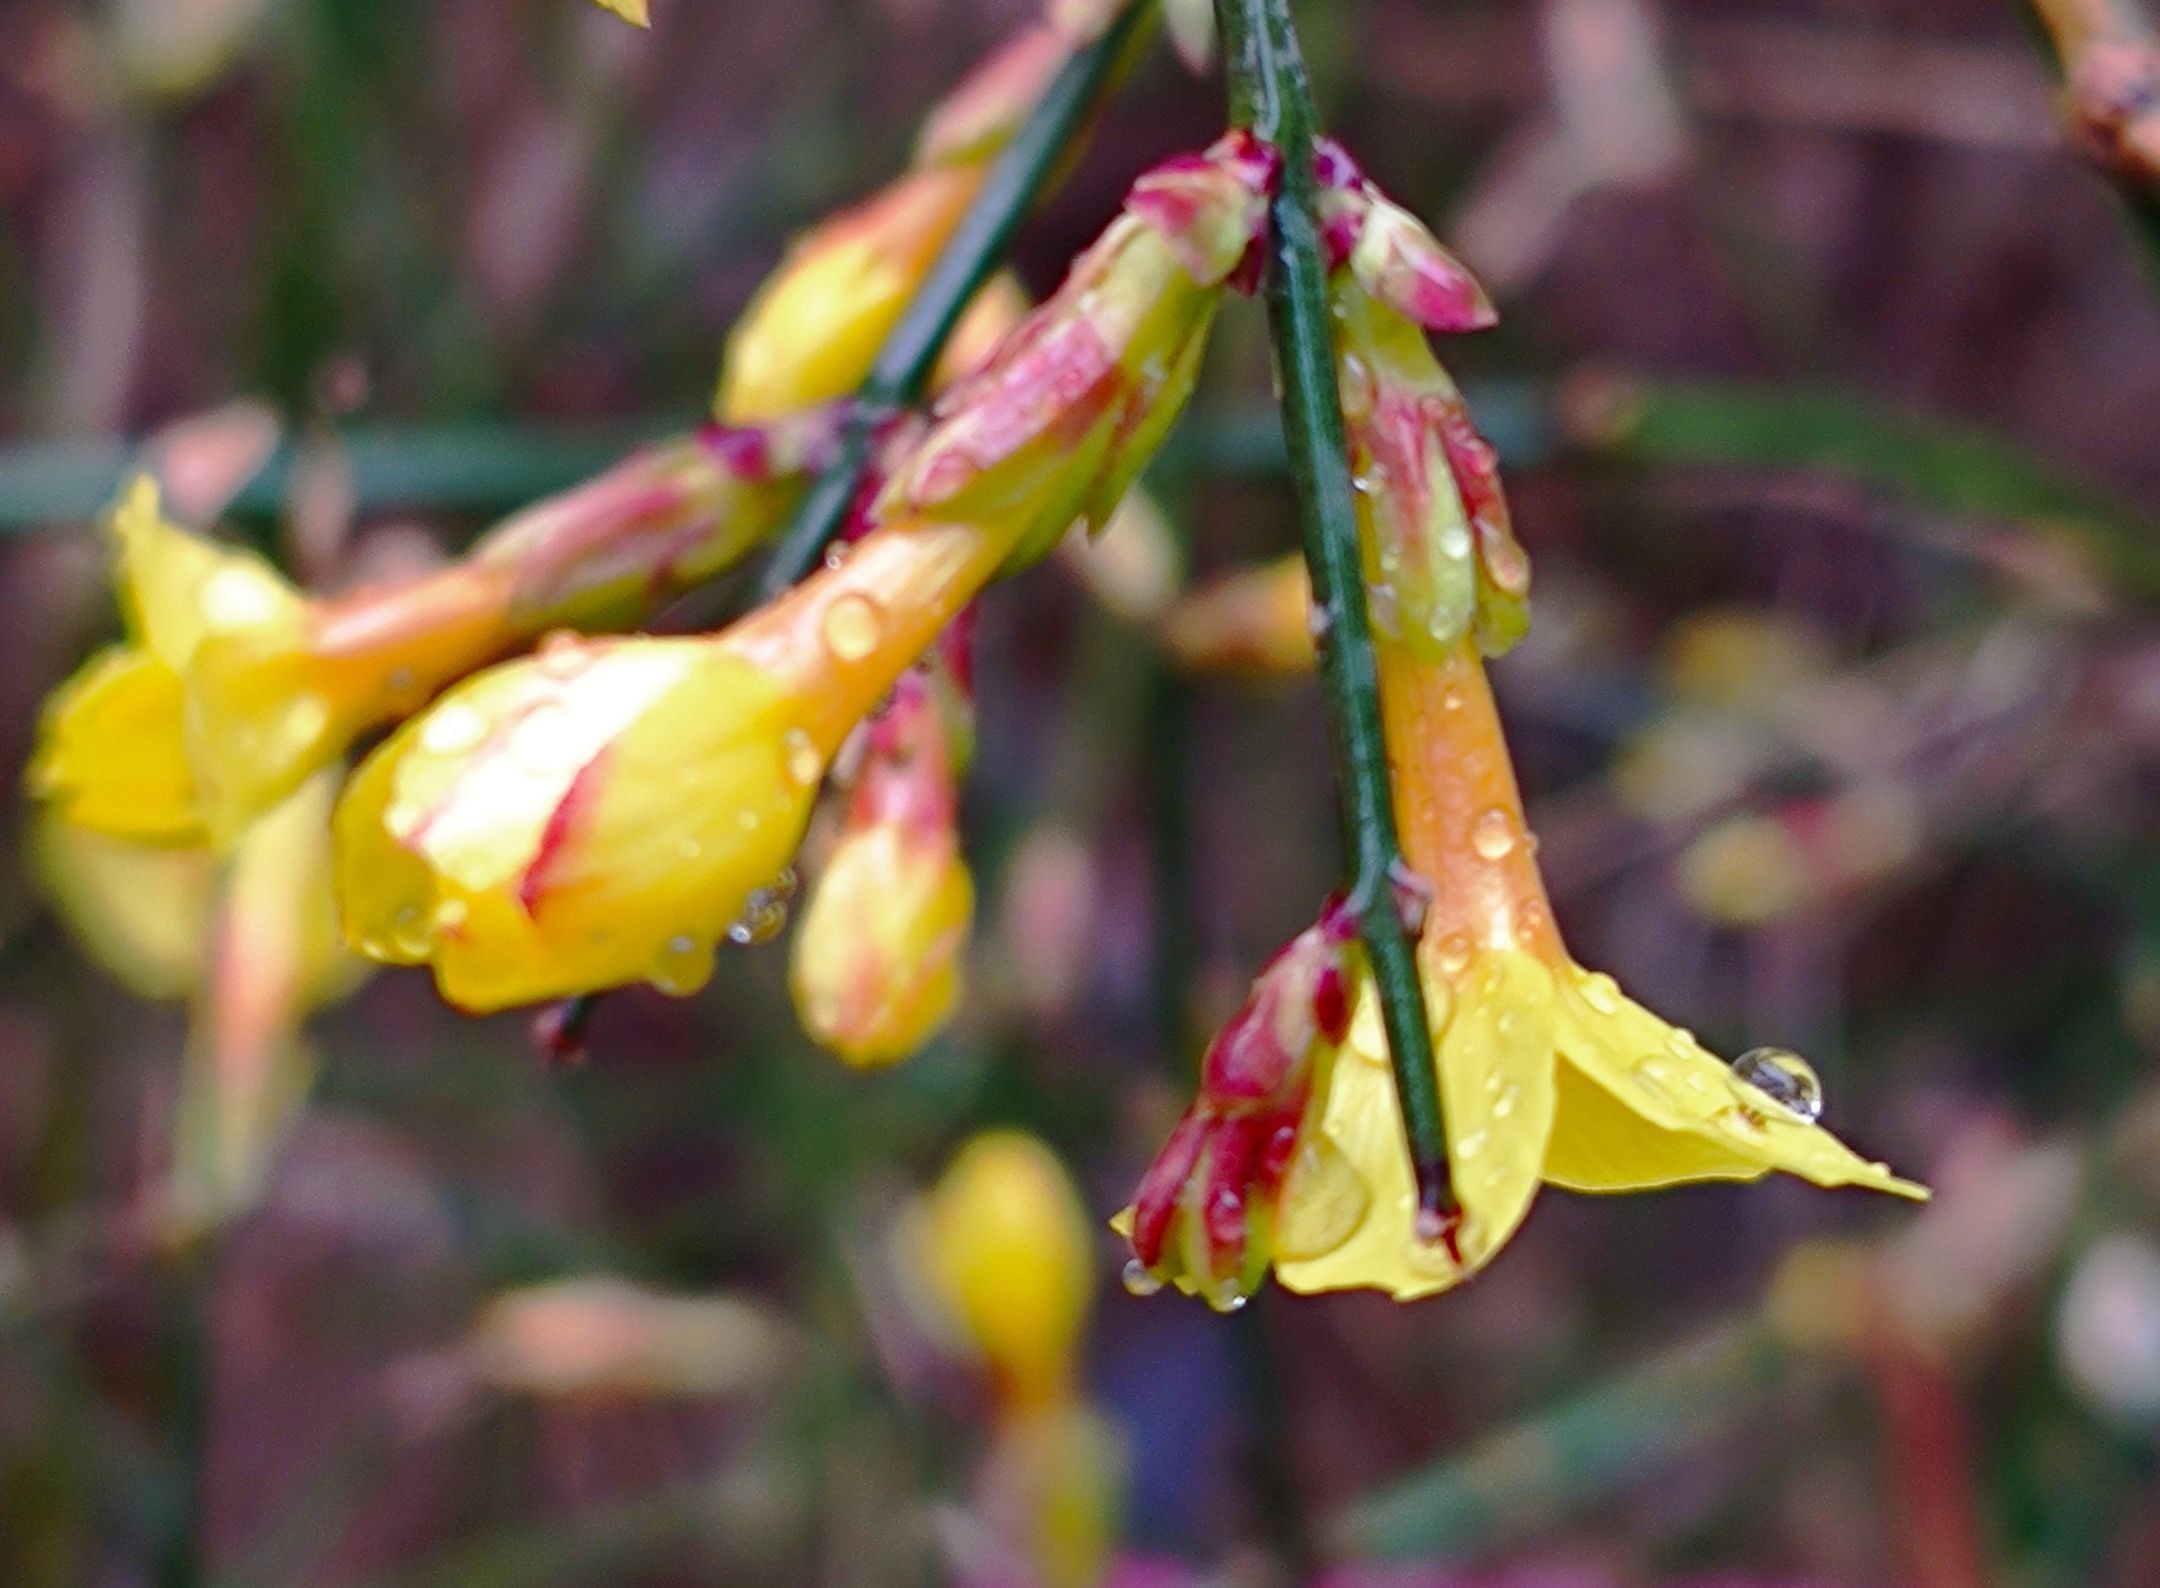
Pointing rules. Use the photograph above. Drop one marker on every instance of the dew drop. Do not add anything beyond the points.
(804, 764)
(1653, 1075)
(1784, 1077)
(450, 915)
(765, 912)
(1601, 993)
(452, 728)
(1504, 1103)
(1455, 543)
(1139, 1279)
(1470, 1146)
(853, 626)
(1227, 1296)
(1493, 835)
(1454, 953)
(561, 655)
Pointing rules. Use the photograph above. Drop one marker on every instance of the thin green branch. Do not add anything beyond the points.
(1270, 97)
(977, 248)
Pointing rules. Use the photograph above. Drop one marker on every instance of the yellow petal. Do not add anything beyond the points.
(142, 912)
(1650, 1106)
(1496, 1082)
(630, 11)
(112, 752)
(574, 821)
(175, 587)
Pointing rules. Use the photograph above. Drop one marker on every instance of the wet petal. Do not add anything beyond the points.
(1495, 1053)
(1682, 1115)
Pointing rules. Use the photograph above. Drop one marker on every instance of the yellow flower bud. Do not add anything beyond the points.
(1006, 1245)
(876, 965)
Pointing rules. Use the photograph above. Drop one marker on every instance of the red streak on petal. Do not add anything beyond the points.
(555, 837)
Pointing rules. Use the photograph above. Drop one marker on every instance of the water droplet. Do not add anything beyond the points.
(804, 764)
(1601, 993)
(1451, 699)
(450, 915)
(1454, 953)
(853, 626)
(561, 654)
(1493, 835)
(452, 728)
(1653, 1075)
(688, 848)
(1470, 1146)
(1455, 543)
(1139, 1280)
(1227, 1296)
(1504, 1103)
(764, 913)
(1784, 1077)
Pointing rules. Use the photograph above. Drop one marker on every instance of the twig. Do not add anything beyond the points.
(1270, 97)
(975, 250)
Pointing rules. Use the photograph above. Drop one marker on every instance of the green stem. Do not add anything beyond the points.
(1270, 97)
(976, 249)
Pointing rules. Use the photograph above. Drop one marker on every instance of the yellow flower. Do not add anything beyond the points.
(142, 911)
(630, 11)
(1004, 1242)
(113, 751)
(601, 814)
(876, 963)
(232, 688)
(1548, 1071)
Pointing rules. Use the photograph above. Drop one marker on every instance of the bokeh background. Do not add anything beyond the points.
(1827, 384)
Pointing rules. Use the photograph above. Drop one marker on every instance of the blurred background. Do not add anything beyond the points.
(1826, 386)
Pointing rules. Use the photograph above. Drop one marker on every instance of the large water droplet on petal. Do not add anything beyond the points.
(1322, 1203)
(1784, 1077)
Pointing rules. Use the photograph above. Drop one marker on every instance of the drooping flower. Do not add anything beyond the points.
(603, 812)
(876, 962)
(232, 688)
(1547, 1073)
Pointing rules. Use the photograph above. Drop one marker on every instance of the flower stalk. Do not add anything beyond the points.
(1270, 97)
(978, 247)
